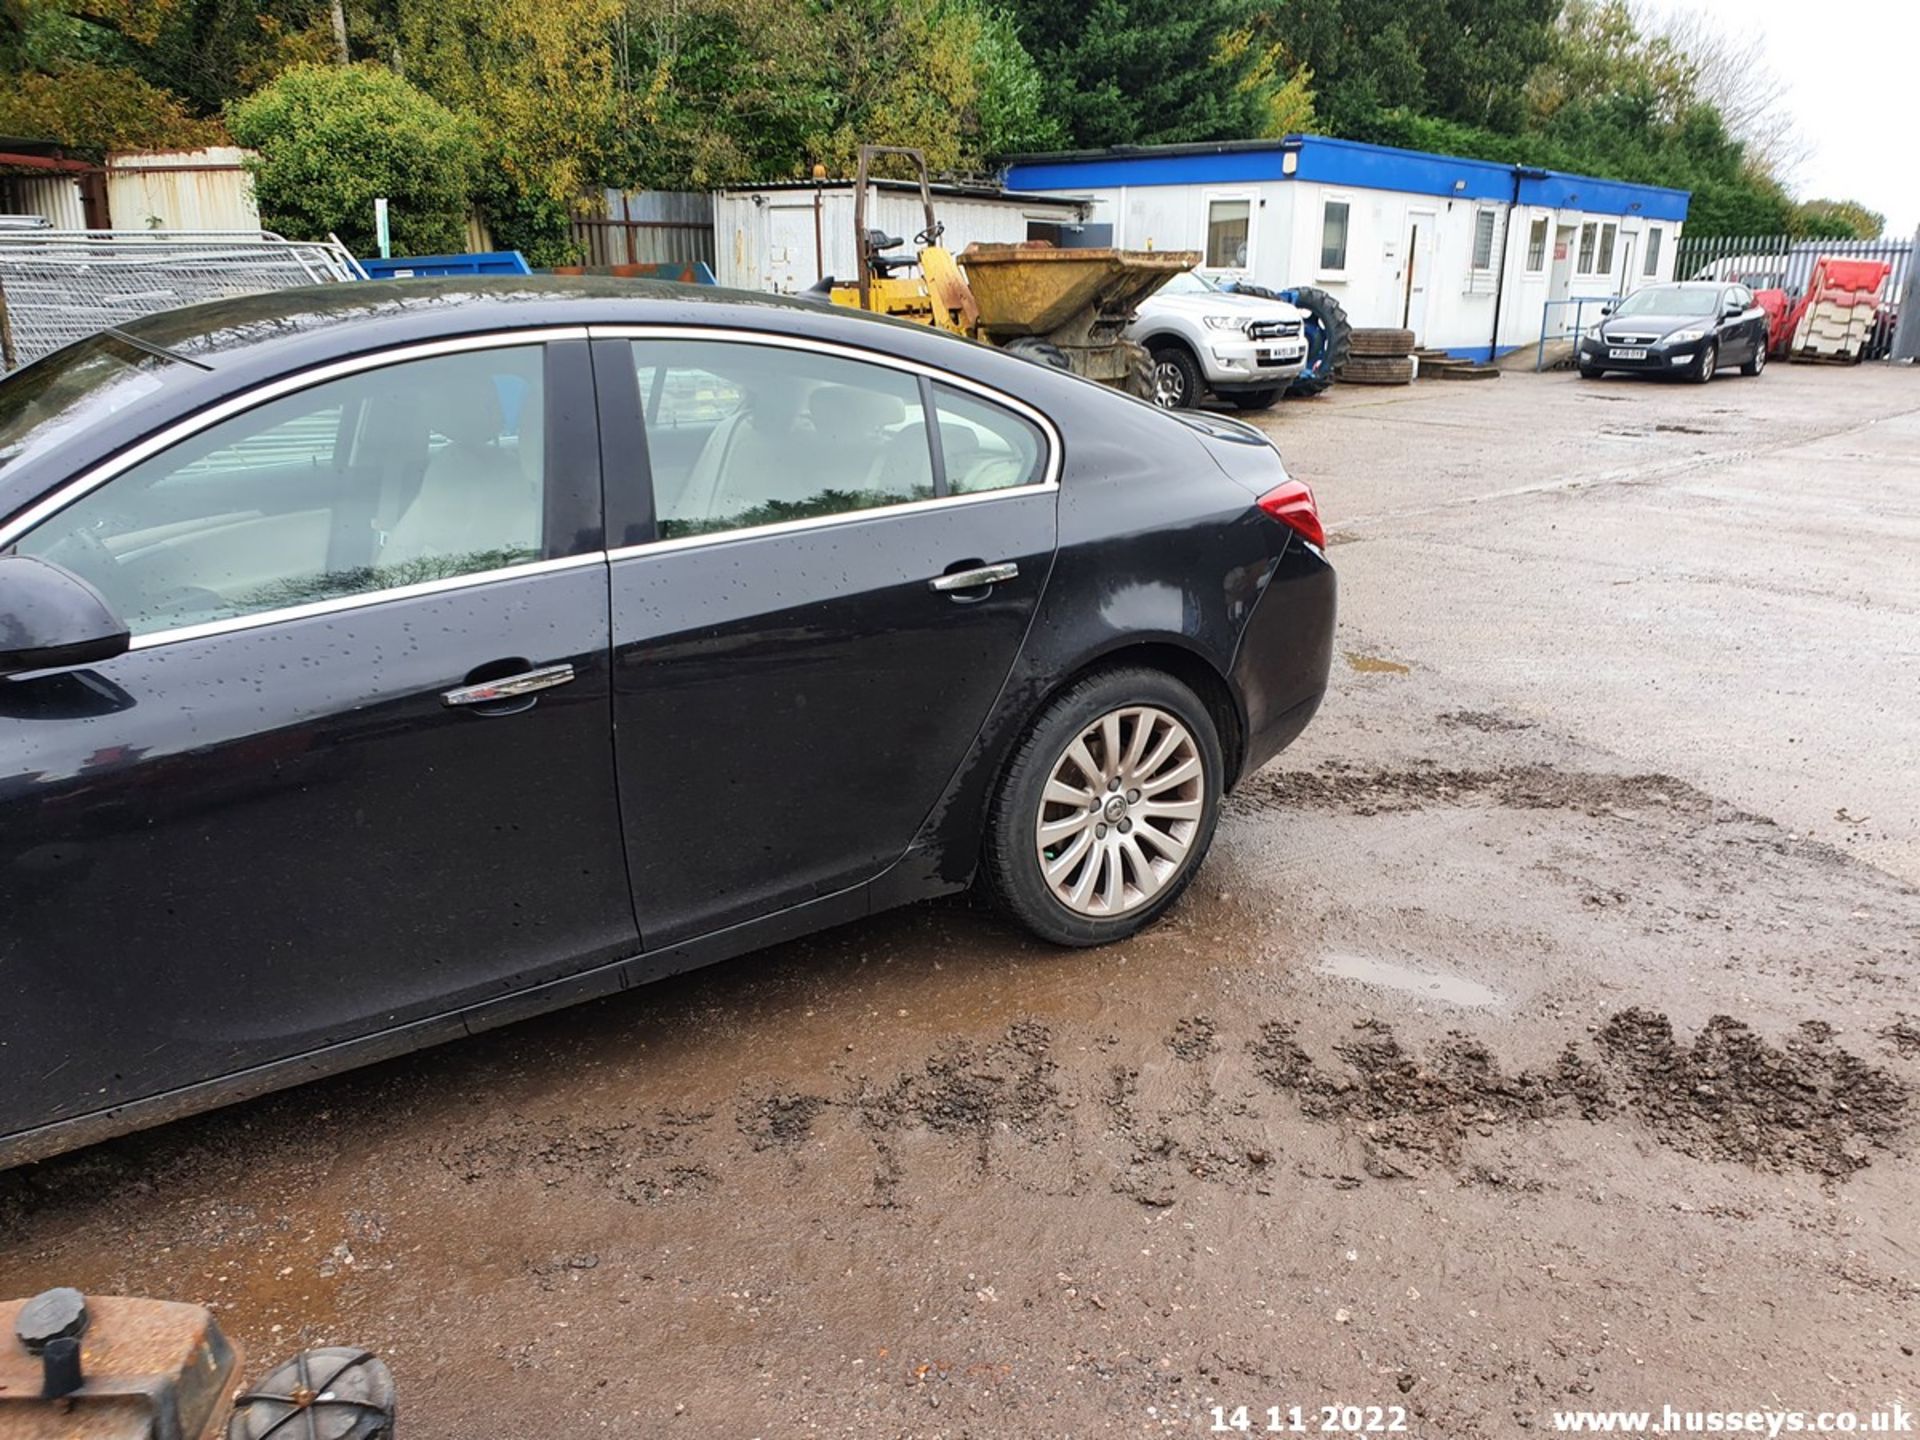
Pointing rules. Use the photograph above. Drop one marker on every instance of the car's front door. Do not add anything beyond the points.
(1737, 329)
(284, 819)
(828, 595)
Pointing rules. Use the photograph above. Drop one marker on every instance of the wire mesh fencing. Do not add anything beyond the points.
(58, 286)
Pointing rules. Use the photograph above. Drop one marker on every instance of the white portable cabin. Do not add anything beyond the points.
(1432, 243)
(785, 237)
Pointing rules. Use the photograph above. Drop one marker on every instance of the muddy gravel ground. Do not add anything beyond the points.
(1543, 1032)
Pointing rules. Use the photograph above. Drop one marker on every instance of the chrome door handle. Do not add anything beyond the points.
(974, 579)
(510, 687)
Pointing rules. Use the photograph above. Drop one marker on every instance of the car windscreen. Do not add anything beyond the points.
(1188, 282)
(1670, 300)
(65, 392)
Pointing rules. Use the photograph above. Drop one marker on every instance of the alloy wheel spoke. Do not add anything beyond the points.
(1142, 732)
(1179, 775)
(1062, 864)
(1169, 743)
(1083, 760)
(1164, 841)
(1110, 743)
(1170, 809)
(1058, 830)
(1058, 792)
(1145, 876)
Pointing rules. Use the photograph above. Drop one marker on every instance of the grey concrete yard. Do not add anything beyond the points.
(1543, 1033)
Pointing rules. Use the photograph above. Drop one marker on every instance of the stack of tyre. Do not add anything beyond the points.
(1379, 357)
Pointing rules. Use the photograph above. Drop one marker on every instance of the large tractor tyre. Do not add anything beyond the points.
(1385, 344)
(1377, 370)
(1177, 381)
(1329, 338)
(1255, 399)
(1040, 352)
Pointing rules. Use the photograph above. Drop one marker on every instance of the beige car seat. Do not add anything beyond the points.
(478, 497)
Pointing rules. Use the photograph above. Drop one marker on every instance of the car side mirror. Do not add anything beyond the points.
(1734, 308)
(51, 618)
(1606, 310)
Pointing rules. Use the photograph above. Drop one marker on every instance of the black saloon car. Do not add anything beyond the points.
(382, 663)
(1690, 330)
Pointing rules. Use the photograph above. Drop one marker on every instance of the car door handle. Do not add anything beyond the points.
(510, 687)
(975, 578)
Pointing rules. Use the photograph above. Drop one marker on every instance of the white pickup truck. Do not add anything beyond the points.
(1244, 349)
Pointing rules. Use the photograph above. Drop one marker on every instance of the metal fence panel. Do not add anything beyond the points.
(58, 286)
(1782, 262)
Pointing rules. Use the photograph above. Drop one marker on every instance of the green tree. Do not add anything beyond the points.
(97, 108)
(332, 139)
(1838, 220)
(1141, 72)
(539, 77)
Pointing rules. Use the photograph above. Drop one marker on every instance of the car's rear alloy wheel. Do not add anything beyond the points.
(1106, 809)
(1120, 811)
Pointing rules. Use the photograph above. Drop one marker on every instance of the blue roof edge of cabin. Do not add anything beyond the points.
(1341, 162)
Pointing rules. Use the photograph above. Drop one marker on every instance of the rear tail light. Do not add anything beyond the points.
(1292, 505)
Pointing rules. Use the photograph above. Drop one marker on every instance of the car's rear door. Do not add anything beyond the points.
(820, 600)
(286, 818)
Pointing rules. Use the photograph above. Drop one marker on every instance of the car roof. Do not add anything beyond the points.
(220, 333)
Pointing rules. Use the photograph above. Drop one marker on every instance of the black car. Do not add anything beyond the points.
(389, 661)
(1690, 330)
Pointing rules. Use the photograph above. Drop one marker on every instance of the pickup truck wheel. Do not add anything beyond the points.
(1177, 383)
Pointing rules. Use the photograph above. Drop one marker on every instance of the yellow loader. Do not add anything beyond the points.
(1065, 308)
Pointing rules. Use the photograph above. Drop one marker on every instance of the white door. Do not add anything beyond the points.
(1563, 242)
(1630, 274)
(792, 264)
(1416, 273)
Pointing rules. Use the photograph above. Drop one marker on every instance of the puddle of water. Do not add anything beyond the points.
(1373, 664)
(1450, 989)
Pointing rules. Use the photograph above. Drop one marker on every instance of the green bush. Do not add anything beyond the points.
(332, 140)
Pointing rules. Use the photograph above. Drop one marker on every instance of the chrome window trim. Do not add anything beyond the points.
(364, 600)
(1048, 483)
(50, 505)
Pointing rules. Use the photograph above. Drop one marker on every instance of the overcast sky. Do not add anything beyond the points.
(1854, 72)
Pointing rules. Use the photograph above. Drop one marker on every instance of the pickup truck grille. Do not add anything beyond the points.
(1273, 330)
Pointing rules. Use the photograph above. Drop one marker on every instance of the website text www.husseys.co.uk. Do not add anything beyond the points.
(1893, 1419)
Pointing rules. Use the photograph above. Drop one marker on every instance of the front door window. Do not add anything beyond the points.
(424, 470)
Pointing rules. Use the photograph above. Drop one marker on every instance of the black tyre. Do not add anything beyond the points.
(1040, 352)
(1377, 370)
(1590, 372)
(1177, 381)
(1329, 339)
(1387, 344)
(1708, 362)
(1106, 809)
(1254, 399)
(1757, 363)
(1139, 381)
